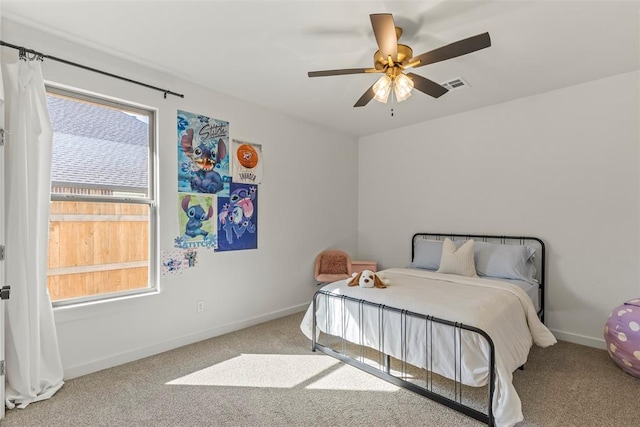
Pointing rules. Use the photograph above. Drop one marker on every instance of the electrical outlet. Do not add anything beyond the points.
(200, 306)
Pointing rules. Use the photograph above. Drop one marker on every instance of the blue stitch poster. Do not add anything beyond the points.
(203, 154)
(238, 218)
(196, 215)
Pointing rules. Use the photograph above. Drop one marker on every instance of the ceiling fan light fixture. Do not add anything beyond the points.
(382, 89)
(402, 87)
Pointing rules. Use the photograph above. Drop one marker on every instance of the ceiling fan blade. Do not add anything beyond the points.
(385, 31)
(366, 97)
(343, 72)
(427, 86)
(459, 48)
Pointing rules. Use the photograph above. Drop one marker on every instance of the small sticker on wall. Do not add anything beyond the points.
(191, 255)
(175, 261)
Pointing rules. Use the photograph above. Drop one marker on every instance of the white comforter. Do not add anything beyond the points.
(501, 309)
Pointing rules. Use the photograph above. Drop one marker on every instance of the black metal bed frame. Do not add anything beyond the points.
(384, 372)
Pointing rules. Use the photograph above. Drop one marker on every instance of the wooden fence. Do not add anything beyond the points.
(97, 248)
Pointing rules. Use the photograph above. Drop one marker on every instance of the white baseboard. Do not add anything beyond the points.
(579, 339)
(142, 352)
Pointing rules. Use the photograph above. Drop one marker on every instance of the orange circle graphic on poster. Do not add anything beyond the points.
(247, 156)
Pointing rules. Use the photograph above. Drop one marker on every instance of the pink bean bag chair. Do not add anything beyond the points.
(622, 335)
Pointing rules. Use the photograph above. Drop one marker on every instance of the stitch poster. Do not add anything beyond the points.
(238, 218)
(196, 215)
(203, 154)
(247, 162)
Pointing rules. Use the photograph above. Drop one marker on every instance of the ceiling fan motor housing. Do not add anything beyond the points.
(405, 53)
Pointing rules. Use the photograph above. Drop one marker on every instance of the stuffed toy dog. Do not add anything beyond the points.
(368, 279)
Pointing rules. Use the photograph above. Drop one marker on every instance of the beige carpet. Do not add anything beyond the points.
(267, 376)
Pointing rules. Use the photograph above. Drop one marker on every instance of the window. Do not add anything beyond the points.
(103, 214)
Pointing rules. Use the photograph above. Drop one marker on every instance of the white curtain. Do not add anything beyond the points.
(33, 366)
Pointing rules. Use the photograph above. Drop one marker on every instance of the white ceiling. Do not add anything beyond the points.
(261, 51)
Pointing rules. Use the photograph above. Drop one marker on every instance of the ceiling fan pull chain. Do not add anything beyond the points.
(393, 102)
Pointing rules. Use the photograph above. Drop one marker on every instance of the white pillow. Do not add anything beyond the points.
(456, 260)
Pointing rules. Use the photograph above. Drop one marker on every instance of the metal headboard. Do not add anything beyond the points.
(534, 242)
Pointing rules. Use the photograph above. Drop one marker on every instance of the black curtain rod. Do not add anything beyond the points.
(40, 56)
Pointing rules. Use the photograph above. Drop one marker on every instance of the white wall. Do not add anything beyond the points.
(562, 166)
(309, 183)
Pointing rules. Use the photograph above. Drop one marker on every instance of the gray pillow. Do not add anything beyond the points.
(504, 261)
(427, 253)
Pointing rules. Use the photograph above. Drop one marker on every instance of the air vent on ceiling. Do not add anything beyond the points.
(455, 84)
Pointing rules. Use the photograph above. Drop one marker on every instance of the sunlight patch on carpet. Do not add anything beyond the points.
(259, 370)
(350, 378)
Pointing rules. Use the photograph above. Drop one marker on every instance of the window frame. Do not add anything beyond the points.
(150, 200)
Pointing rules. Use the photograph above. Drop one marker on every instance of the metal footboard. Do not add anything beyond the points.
(396, 370)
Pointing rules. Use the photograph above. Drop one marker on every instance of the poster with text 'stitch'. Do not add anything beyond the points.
(203, 154)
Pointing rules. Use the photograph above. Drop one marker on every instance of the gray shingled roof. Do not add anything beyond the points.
(97, 147)
(96, 163)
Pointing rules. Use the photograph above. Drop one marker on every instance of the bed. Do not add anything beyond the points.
(438, 329)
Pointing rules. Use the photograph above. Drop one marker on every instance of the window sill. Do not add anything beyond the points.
(102, 307)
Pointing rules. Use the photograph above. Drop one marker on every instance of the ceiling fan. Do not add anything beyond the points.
(394, 58)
